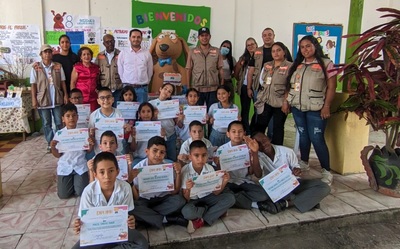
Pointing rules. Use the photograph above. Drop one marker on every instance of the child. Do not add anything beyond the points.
(71, 167)
(247, 192)
(206, 207)
(154, 208)
(196, 133)
(192, 97)
(107, 190)
(169, 124)
(76, 97)
(128, 95)
(218, 136)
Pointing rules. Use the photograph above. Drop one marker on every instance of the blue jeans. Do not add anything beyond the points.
(117, 95)
(46, 117)
(311, 128)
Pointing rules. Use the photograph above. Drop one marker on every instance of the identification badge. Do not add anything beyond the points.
(269, 80)
(297, 87)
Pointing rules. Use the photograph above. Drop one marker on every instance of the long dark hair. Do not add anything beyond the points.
(141, 107)
(319, 55)
(229, 55)
(127, 89)
(246, 55)
(66, 36)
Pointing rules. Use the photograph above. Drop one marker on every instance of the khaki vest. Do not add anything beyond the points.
(205, 72)
(109, 76)
(258, 59)
(43, 85)
(308, 86)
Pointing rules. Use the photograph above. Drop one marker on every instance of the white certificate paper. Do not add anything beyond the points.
(114, 124)
(223, 117)
(128, 109)
(279, 183)
(166, 109)
(207, 183)
(156, 178)
(123, 167)
(147, 129)
(233, 158)
(195, 113)
(83, 114)
(102, 225)
(72, 140)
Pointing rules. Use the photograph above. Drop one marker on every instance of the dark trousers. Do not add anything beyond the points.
(245, 102)
(279, 119)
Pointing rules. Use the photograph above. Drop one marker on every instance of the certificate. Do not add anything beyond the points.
(166, 109)
(123, 167)
(147, 129)
(72, 140)
(195, 113)
(156, 178)
(83, 114)
(128, 109)
(234, 158)
(279, 183)
(207, 183)
(102, 225)
(223, 117)
(114, 124)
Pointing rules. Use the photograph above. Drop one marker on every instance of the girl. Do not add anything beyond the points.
(128, 95)
(192, 96)
(229, 64)
(218, 135)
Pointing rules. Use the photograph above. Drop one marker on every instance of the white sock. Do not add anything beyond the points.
(254, 204)
(165, 220)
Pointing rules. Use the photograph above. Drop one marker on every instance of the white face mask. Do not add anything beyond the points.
(224, 50)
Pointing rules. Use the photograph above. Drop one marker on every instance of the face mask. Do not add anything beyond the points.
(224, 50)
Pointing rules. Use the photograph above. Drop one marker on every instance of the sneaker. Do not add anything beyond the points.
(177, 220)
(327, 177)
(304, 166)
(272, 208)
(194, 224)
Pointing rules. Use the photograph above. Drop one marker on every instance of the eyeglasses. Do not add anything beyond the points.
(250, 45)
(108, 97)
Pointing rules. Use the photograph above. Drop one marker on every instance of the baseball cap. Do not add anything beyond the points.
(45, 47)
(204, 30)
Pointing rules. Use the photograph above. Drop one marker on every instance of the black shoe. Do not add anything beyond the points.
(177, 220)
(270, 207)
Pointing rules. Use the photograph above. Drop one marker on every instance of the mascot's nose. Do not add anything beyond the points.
(164, 47)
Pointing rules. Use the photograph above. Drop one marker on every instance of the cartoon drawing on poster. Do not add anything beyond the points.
(121, 36)
(193, 38)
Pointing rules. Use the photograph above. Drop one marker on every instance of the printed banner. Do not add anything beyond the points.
(121, 36)
(10, 102)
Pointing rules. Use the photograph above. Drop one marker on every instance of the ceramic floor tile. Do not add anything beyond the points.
(16, 223)
(157, 236)
(312, 215)
(360, 202)
(177, 233)
(42, 174)
(9, 242)
(40, 240)
(390, 202)
(333, 206)
(50, 219)
(70, 239)
(51, 200)
(20, 175)
(271, 220)
(9, 188)
(74, 216)
(217, 228)
(353, 181)
(32, 187)
(6, 174)
(3, 201)
(19, 203)
(143, 231)
(242, 220)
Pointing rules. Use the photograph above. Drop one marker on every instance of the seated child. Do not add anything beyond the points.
(153, 208)
(247, 192)
(107, 190)
(71, 166)
(207, 207)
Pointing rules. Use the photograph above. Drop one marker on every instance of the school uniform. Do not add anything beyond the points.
(245, 190)
(153, 207)
(206, 205)
(218, 135)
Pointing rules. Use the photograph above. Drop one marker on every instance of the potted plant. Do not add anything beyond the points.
(373, 82)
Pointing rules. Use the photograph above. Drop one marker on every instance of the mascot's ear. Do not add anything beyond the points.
(185, 47)
(152, 51)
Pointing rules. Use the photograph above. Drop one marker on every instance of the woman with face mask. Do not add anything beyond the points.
(229, 63)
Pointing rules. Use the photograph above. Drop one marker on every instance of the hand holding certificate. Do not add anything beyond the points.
(103, 225)
(207, 183)
(156, 178)
(234, 158)
(147, 129)
(72, 140)
(279, 183)
(167, 108)
(128, 109)
(195, 113)
(223, 117)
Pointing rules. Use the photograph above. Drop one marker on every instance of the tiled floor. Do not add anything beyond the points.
(8, 142)
(32, 216)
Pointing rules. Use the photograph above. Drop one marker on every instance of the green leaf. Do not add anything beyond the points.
(381, 164)
(396, 171)
(386, 105)
(389, 181)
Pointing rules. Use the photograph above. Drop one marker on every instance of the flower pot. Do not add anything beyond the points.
(383, 170)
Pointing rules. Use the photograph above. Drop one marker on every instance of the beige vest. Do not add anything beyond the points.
(43, 84)
(109, 76)
(205, 72)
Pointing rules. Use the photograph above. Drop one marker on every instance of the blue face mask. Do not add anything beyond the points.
(224, 50)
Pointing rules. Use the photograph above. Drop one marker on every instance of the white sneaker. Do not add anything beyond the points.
(327, 177)
(304, 166)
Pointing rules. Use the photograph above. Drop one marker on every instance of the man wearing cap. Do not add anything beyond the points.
(135, 66)
(107, 61)
(204, 66)
(49, 91)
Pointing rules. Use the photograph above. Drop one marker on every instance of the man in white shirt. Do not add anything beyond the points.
(135, 66)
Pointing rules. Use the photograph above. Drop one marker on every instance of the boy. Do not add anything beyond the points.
(196, 133)
(72, 176)
(247, 193)
(107, 190)
(216, 203)
(156, 208)
(76, 97)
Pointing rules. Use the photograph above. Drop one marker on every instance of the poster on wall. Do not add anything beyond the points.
(82, 30)
(121, 36)
(19, 44)
(329, 37)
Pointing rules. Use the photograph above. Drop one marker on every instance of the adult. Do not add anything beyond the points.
(67, 58)
(107, 61)
(271, 94)
(85, 77)
(204, 68)
(135, 66)
(229, 65)
(306, 196)
(244, 71)
(48, 91)
(311, 87)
